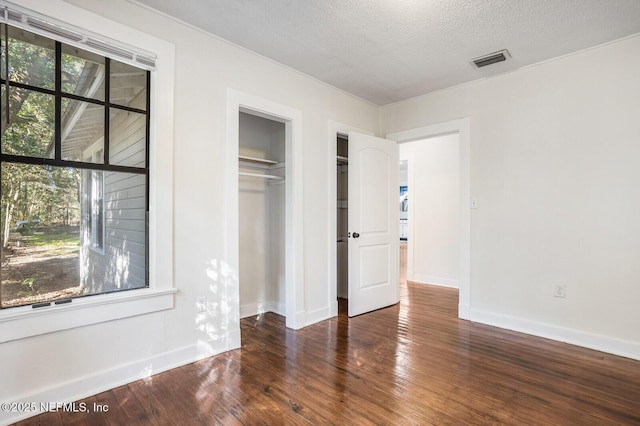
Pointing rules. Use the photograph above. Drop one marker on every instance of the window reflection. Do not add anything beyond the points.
(31, 130)
(82, 130)
(82, 73)
(31, 58)
(128, 85)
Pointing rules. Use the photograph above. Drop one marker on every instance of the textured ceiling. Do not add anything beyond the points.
(389, 50)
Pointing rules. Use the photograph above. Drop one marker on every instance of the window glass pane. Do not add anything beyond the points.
(32, 123)
(70, 233)
(31, 58)
(82, 73)
(127, 138)
(41, 238)
(82, 131)
(125, 233)
(128, 85)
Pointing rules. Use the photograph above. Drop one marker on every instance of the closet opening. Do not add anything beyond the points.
(342, 218)
(262, 208)
(264, 158)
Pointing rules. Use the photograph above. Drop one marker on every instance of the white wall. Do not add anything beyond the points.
(434, 200)
(90, 359)
(554, 151)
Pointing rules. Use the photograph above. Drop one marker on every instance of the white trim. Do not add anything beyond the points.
(16, 323)
(594, 341)
(25, 321)
(318, 315)
(251, 309)
(105, 380)
(334, 130)
(464, 311)
(461, 126)
(278, 308)
(333, 308)
(72, 35)
(439, 281)
(292, 118)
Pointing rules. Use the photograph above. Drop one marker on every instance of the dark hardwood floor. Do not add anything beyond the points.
(413, 363)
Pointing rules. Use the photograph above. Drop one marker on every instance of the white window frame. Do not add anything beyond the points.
(22, 322)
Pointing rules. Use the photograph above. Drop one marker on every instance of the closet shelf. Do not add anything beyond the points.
(259, 163)
(255, 160)
(259, 175)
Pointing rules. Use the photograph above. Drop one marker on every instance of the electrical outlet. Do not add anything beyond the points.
(559, 290)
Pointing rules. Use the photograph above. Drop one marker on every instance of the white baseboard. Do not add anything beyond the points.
(298, 322)
(318, 315)
(598, 342)
(278, 308)
(439, 281)
(251, 309)
(333, 309)
(87, 386)
(302, 319)
(464, 311)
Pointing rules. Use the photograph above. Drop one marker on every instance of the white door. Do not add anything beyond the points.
(374, 247)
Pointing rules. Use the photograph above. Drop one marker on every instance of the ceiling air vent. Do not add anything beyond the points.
(491, 58)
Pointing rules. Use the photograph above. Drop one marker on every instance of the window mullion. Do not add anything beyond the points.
(148, 135)
(107, 103)
(58, 102)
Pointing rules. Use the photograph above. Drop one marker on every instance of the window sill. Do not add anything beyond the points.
(22, 322)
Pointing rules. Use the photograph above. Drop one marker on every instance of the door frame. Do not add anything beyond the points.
(462, 127)
(335, 129)
(292, 118)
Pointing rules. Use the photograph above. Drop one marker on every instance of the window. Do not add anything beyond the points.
(74, 159)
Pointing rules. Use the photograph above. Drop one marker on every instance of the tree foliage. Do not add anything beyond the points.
(29, 192)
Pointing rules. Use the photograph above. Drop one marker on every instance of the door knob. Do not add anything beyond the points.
(356, 235)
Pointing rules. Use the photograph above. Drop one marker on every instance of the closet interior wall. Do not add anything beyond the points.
(342, 218)
(261, 218)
